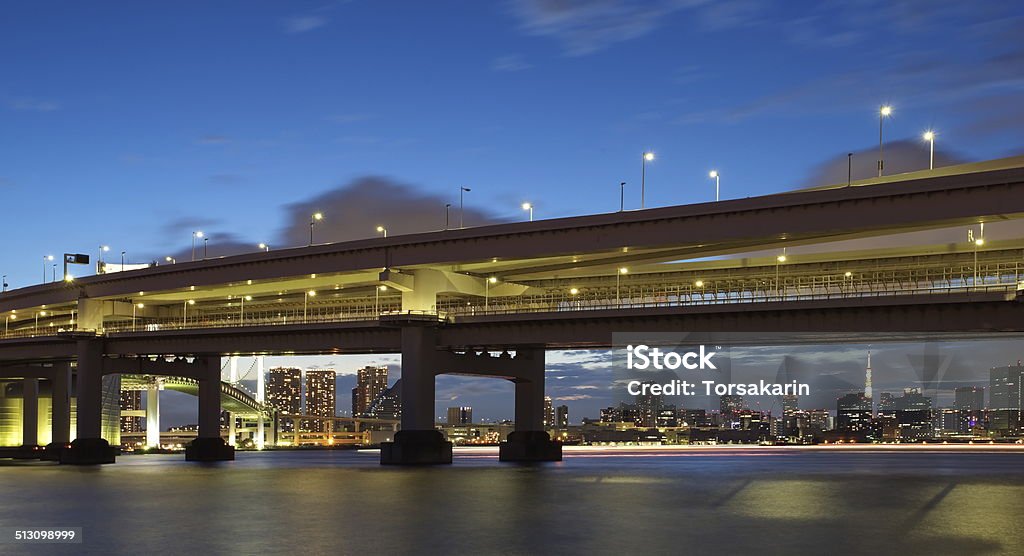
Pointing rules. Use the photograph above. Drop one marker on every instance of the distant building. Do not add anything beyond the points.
(284, 393)
(1005, 384)
(371, 382)
(131, 400)
(562, 415)
(611, 414)
(460, 415)
(969, 403)
(388, 405)
(853, 413)
(648, 407)
(730, 408)
(694, 417)
(549, 413)
(320, 397)
(667, 416)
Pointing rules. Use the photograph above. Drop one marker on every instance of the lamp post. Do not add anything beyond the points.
(46, 259)
(123, 253)
(647, 157)
(714, 174)
(241, 315)
(7, 320)
(206, 245)
(622, 196)
(884, 112)
(462, 206)
(54, 274)
(305, 302)
(4, 283)
(382, 230)
(529, 207)
(35, 328)
(778, 261)
(487, 290)
(265, 247)
(184, 312)
(618, 275)
(977, 242)
(313, 219)
(134, 307)
(447, 211)
(930, 137)
(195, 234)
(99, 259)
(171, 260)
(376, 300)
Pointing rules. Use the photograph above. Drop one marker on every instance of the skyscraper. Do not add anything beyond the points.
(853, 413)
(730, 407)
(649, 407)
(562, 412)
(131, 400)
(388, 405)
(371, 382)
(460, 415)
(969, 403)
(1005, 384)
(549, 413)
(320, 396)
(868, 392)
(284, 389)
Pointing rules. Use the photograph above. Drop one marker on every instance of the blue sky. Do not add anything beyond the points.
(132, 124)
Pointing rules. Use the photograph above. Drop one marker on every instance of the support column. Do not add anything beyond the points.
(232, 430)
(209, 446)
(89, 447)
(60, 411)
(30, 417)
(418, 442)
(530, 442)
(153, 417)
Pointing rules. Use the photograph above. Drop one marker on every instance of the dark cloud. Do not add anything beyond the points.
(354, 211)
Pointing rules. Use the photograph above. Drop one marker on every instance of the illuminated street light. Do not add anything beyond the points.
(930, 137)
(487, 289)
(184, 311)
(313, 219)
(573, 291)
(46, 259)
(241, 316)
(462, 206)
(884, 112)
(778, 261)
(305, 302)
(382, 230)
(7, 320)
(376, 301)
(171, 260)
(134, 307)
(647, 157)
(99, 260)
(714, 174)
(699, 283)
(528, 207)
(264, 246)
(195, 234)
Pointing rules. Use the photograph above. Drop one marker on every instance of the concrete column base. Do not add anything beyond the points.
(29, 452)
(88, 451)
(416, 448)
(530, 446)
(52, 451)
(209, 449)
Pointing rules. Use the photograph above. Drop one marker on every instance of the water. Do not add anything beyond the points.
(756, 500)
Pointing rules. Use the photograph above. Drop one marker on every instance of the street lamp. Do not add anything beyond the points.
(622, 196)
(884, 112)
(241, 317)
(382, 230)
(123, 253)
(462, 206)
(184, 312)
(647, 157)
(305, 302)
(618, 275)
(447, 211)
(195, 234)
(529, 207)
(714, 174)
(4, 283)
(376, 301)
(487, 289)
(46, 259)
(206, 245)
(99, 260)
(313, 219)
(171, 260)
(930, 137)
(264, 246)
(7, 320)
(38, 314)
(778, 261)
(134, 307)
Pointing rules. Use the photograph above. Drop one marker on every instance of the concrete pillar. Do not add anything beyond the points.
(232, 430)
(261, 438)
(529, 442)
(89, 447)
(209, 446)
(418, 442)
(153, 416)
(30, 413)
(90, 314)
(60, 411)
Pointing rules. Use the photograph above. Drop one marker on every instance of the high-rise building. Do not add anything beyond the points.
(730, 408)
(320, 397)
(388, 405)
(460, 415)
(549, 413)
(131, 400)
(1005, 385)
(969, 403)
(649, 407)
(371, 382)
(562, 416)
(853, 413)
(284, 390)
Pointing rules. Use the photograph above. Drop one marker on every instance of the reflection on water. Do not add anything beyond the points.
(759, 500)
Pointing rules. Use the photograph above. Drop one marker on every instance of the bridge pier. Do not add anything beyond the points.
(530, 442)
(60, 411)
(89, 447)
(153, 416)
(30, 418)
(418, 443)
(209, 446)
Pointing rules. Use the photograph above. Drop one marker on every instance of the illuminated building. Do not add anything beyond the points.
(320, 397)
(371, 382)
(460, 415)
(648, 407)
(1005, 384)
(969, 403)
(131, 400)
(562, 417)
(388, 405)
(549, 413)
(853, 413)
(284, 393)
